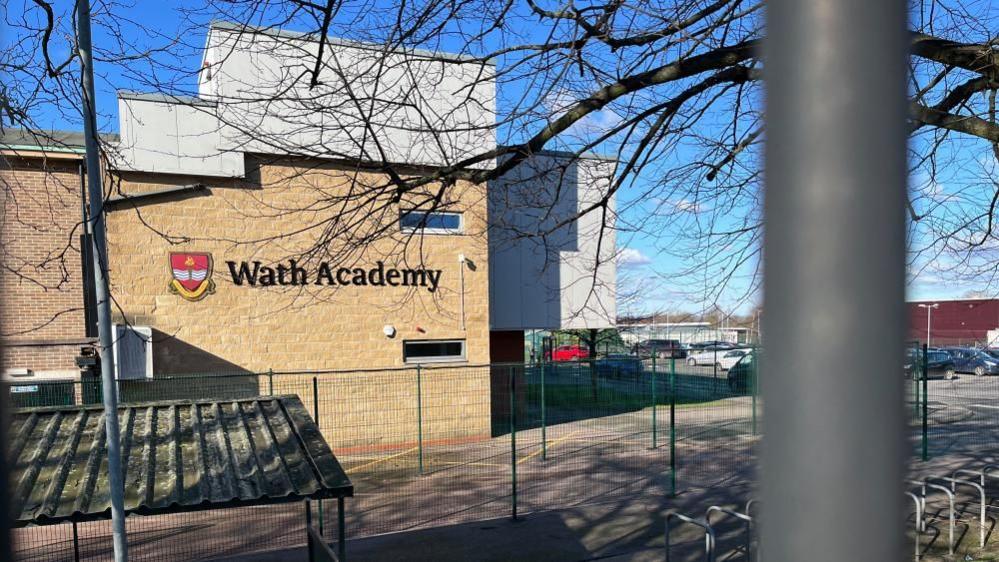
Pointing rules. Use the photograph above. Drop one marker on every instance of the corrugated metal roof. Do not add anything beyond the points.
(178, 456)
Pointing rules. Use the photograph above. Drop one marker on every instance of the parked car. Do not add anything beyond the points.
(976, 361)
(742, 375)
(728, 360)
(710, 356)
(570, 353)
(618, 365)
(939, 364)
(663, 349)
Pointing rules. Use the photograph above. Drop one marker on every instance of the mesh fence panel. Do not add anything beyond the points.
(587, 434)
(428, 446)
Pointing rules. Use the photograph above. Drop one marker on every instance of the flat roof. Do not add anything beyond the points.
(52, 140)
(179, 455)
(164, 98)
(338, 41)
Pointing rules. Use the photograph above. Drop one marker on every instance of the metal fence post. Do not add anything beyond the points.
(926, 400)
(341, 517)
(654, 400)
(76, 544)
(915, 383)
(544, 428)
(754, 389)
(714, 368)
(513, 443)
(315, 411)
(672, 427)
(270, 382)
(419, 417)
(308, 534)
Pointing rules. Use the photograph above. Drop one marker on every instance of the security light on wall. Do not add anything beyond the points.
(388, 330)
(466, 262)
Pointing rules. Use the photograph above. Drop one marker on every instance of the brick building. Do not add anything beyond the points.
(955, 322)
(43, 318)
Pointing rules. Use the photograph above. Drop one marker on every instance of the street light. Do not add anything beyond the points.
(929, 315)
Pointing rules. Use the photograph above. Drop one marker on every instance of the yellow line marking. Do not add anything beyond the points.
(459, 463)
(550, 445)
(381, 460)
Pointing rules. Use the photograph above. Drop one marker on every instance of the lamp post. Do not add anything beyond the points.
(929, 316)
(95, 186)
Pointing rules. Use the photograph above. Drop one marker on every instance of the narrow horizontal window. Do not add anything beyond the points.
(428, 351)
(432, 223)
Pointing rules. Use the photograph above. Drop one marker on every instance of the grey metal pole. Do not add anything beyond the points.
(96, 194)
(834, 272)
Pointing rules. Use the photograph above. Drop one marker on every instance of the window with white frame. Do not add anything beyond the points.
(433, 351)
(435, 222)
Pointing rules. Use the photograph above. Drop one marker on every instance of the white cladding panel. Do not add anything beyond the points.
(404, 107)
(565, 278)
(175, 136)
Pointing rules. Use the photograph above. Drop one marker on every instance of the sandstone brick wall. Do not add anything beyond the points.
(242, 328)
(41, 317)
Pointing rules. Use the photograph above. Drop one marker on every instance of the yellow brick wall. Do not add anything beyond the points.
(279, 215)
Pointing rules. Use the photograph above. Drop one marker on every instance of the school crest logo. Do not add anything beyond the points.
(192, 275)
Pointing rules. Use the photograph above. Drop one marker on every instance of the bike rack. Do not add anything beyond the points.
(981, 490)
(743, 516)
(709, 534)
(982, 474)
(919, 520)
(950, 496)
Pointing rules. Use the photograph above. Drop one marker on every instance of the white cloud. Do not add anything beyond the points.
(557, 102)
(629, 257)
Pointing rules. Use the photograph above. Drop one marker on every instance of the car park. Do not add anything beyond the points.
(974, 361)
(619, 366)
(570, 353)
(663, 349)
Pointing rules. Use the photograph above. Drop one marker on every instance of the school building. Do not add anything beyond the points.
(250, 228)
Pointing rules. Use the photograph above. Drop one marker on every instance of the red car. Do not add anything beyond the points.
(570, 353)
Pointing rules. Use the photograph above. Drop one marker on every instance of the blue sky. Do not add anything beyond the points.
(645, 261)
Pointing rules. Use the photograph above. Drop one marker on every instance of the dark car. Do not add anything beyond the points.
(742, 375)
(939, 364)
(976, 361)
(662, 349)
(619, 366)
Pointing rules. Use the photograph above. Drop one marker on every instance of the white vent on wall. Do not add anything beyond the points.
(133, 352)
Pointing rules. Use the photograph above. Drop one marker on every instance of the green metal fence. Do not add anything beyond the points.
(954, 416)
(434, 445)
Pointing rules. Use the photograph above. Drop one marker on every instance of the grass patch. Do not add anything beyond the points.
(582, 397)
